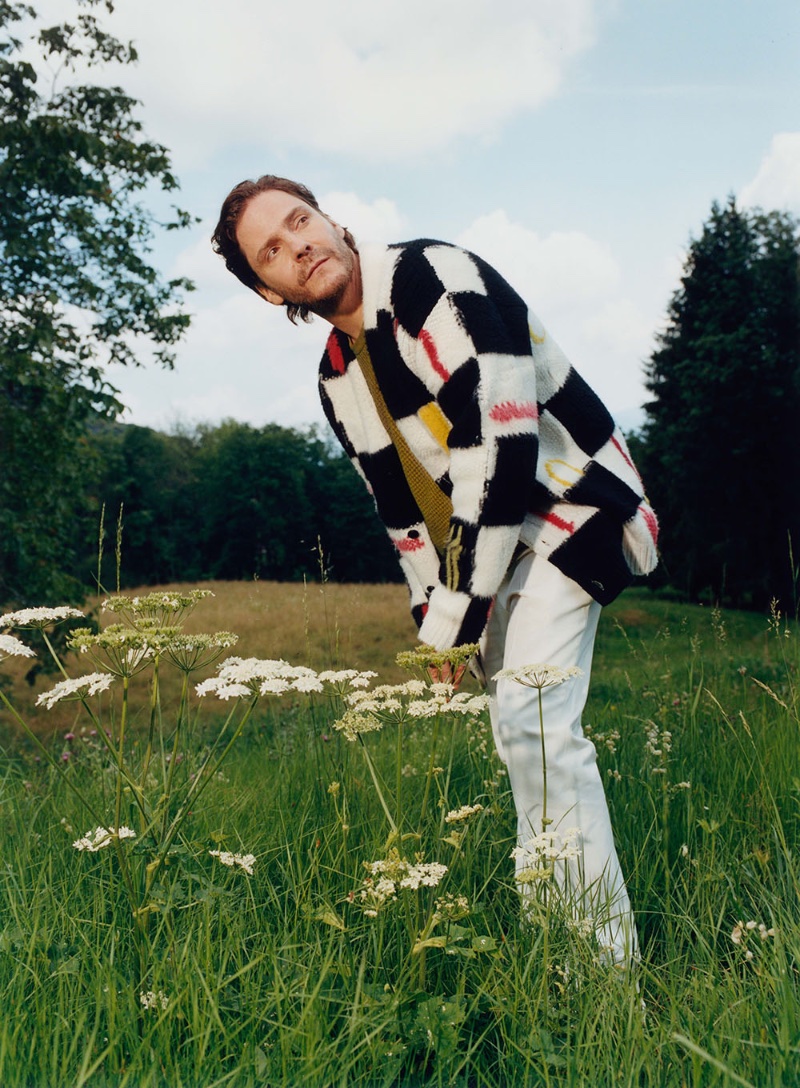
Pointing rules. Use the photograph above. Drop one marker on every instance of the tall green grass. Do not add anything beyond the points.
(281, 978)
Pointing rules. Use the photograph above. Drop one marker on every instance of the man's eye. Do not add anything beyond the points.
(272, 253)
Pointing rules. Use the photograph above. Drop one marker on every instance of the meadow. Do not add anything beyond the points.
(280, 899)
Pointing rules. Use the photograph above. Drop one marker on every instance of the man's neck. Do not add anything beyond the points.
(349, 314)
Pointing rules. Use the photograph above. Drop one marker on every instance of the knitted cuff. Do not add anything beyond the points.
(444, 619)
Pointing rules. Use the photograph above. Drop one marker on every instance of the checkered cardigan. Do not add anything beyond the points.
(493, 410)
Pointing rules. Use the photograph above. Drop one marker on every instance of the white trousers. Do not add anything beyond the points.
(542, 617)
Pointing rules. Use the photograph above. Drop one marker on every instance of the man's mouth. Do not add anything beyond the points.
(317, 264)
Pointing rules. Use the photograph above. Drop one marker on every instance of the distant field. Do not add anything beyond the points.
(365, 626)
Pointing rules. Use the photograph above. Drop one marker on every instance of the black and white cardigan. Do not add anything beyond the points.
(493, 410)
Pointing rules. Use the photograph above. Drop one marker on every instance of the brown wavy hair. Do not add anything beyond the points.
(225, 243)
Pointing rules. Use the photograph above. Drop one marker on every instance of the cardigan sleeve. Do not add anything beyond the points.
(475, 344)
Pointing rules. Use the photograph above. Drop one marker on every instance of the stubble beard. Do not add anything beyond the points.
(327, 305)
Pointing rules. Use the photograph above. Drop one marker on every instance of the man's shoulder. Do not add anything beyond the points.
(425, 270)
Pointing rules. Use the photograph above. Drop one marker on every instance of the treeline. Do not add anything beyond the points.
(227, 502)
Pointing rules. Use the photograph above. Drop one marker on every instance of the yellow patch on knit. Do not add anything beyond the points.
(551, 471)
(436, 421)
(452, 556)
(536, 339)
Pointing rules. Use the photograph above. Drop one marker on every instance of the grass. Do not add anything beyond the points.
(281, 978)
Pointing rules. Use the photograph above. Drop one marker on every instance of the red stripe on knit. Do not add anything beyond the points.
(624, 454)
(510, 410)
(650, 521)
(335, 354)
(409, 544)
(430, 349)
(560, 523)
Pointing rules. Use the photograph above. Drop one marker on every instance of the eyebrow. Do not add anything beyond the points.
(287, 219)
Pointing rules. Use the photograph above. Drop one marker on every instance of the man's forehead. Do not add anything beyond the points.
(274, 204)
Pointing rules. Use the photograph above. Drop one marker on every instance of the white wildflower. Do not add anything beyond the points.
(154, 1000)
(241, 861)
(342, 679)
(238, 676)
(423, 875)
(78, 687)
(12, 647)
(355, 722)
(463, 813)
(39, 617)
(539, 676)
(95, 840)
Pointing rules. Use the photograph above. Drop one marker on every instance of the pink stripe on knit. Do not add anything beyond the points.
(409, 544)
(651, 522)
(430, 349)
(510, 410)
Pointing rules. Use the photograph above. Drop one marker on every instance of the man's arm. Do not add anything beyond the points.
(475, 341)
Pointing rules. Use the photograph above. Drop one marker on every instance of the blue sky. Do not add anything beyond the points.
(575, 144)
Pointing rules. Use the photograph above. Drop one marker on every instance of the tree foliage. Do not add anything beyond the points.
(720, 447)
(77, 290)
(232, 502)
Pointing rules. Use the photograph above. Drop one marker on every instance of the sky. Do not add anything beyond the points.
(577, 145)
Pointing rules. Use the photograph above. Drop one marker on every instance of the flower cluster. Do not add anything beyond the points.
(354, 722)
(343, 680)
(539, 676)
(742, 931)
(95, 840)
(156, 609)
(451, 908)
(415, 699)
(39, 617)
(240, 861)
(391, 874)
(239, 677)
(123, 650)
(425, 657)
(463, 813)
(154, 999)
(12, 647)
(79, 687)
(537, 857)
(658, 745)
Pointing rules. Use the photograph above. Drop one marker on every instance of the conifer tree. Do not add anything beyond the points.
(721, 445)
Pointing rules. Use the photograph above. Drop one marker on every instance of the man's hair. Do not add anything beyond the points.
(225, 242)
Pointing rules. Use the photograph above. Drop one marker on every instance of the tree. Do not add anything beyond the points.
(720, 448)
(76, 288)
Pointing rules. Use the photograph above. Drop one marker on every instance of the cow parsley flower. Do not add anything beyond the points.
(12, 647)
(389, 875)
(539, 676)
(95, 840)
(154, 1000)
(240, 861)
(355, 721)
(463, 813)
(39, 617)
(79, 687)
(240, 676)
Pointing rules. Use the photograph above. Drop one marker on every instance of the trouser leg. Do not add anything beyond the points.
(542, 617)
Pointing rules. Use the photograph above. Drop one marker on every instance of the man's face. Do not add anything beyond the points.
(299, 254)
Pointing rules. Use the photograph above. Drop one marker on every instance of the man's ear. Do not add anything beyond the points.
(269, 295)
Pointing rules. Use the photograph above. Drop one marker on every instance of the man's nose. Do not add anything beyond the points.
(300, 248)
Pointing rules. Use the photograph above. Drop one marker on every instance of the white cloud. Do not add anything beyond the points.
(575, 286)
(365, 79)
(777, 182)
(379, 221)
